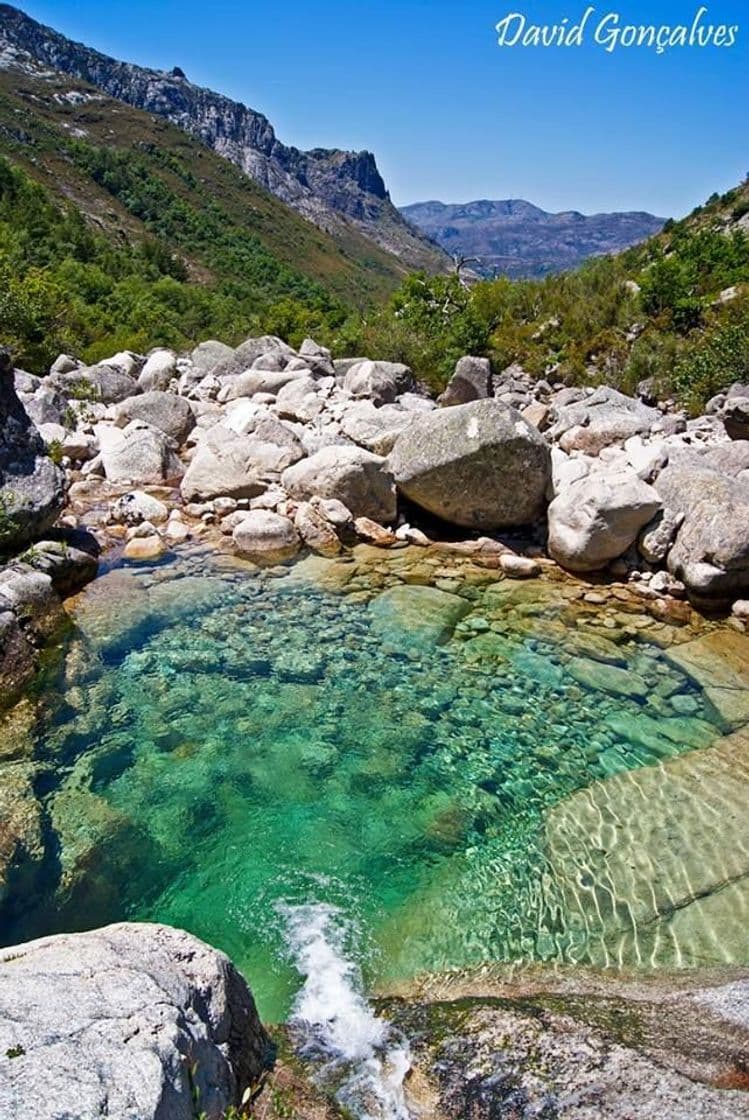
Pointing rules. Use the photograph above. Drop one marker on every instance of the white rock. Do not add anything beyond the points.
(263, 534)
(102, 1021)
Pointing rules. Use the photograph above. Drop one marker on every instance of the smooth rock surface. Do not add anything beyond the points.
(224, 465)
(596, 519)
(132, 1022)
(349, 474)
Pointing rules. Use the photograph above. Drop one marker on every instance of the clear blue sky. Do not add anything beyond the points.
(448, 113)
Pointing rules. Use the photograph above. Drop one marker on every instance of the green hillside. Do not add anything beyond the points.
(118, 230)
(674, 309)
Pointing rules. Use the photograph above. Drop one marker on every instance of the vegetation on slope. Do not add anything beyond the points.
(118, 231)
(654, 312)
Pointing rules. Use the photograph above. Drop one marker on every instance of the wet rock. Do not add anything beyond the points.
(358, 479)
(538, 1041)
(22, 848)
(479, 465)
(410, 615)
(128, 1020)
(17, 658)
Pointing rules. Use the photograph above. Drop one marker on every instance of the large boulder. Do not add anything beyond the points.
(479, 465)
(169, 413)
(380, 382)
(224, 465)
(254, 381)
(604, 418)
(134, 1022)
(46, 406)
(355, 477)
(735, 412)
(208, 355)
(300, 399)
(157, 373)
(108, 384)
(139, 454)
(247, 353)
(373, 428)
(595, 519)
(711, 550)
(471, 381)
(31, 486)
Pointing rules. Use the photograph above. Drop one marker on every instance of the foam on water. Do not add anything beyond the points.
(336, 1028)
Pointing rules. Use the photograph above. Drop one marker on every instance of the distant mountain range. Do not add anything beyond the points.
(336, 190)
(514, 238)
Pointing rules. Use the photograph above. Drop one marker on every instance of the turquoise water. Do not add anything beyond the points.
(239, 743)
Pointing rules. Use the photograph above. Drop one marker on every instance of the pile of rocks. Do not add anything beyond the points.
(282, 449)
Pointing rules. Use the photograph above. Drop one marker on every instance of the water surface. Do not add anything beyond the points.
(244, 746)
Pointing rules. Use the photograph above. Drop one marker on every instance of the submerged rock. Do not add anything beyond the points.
(719, 663)
(127, 1021)
(654, 864)
(406, 615)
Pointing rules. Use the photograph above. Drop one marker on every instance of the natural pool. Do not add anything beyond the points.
(225, 746)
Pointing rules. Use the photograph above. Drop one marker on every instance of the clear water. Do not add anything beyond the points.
(250, 749)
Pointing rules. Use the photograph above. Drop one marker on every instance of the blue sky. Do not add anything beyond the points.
(449, 114)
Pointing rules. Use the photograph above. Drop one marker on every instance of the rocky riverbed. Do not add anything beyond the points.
(471, 674)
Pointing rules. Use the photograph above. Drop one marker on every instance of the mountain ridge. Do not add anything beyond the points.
(516, 238)
(329, 187)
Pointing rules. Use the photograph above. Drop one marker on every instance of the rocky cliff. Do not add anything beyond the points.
(328, 187)
(514, 238)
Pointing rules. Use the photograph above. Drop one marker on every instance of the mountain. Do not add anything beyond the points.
(335, 190)
(120, 231)
(515, 238)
